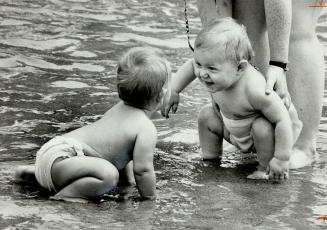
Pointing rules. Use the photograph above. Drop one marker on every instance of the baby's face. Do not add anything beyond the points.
(214, 72)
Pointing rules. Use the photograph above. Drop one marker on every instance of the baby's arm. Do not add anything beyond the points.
(275, 111)
(183, 77)
(143, 161)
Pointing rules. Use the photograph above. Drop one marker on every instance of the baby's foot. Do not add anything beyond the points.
(69, 199)
(300, 159)
(258, 175)
(24, 173)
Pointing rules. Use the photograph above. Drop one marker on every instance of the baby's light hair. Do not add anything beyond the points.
(227, 34)
(141, 74)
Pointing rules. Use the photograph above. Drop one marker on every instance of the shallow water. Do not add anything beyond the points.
(57, 65)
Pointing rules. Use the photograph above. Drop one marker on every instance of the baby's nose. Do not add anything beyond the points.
(203, 74)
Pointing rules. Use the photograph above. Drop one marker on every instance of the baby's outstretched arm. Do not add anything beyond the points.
(183, 77)
(143, 161)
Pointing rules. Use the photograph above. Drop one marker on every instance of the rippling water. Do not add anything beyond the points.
(57, 64)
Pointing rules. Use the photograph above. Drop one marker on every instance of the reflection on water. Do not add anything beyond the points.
(57, 65)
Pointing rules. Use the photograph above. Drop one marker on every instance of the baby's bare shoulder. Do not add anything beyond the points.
(147, 126)
(256, 83)
(136, 122)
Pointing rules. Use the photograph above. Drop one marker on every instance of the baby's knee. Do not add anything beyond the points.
(109, 175)
(208, 118)
(205, 113)
(261, 127)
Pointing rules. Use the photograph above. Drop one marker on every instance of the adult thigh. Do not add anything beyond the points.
(251, 13)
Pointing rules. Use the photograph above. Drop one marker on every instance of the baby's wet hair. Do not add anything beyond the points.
(227, 35)
(141, 74)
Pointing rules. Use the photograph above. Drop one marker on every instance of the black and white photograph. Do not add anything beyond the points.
(163, 114)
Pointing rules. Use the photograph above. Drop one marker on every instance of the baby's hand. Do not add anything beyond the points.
(278, 169)
(170, 101)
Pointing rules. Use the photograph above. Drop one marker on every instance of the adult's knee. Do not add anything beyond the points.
(262, 128)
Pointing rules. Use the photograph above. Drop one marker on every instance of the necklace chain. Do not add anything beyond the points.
(187, 26)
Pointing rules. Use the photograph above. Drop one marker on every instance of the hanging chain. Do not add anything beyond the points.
(187, 27)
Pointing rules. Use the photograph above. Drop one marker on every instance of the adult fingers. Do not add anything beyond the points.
(285, 96)
(270, 85)
(287, 100)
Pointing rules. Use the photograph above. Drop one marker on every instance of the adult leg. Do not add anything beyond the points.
(211, 132)
(264, 142)
(83, 177)
(305, 79)
(211, 9)
(251, 13)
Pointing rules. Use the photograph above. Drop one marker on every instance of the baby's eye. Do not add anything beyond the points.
(197, 64)
(212, 68)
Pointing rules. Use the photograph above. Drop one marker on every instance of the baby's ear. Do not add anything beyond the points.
(242, 65)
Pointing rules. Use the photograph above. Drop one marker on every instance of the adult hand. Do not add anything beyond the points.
(170, 101)
(276, 80)
(278, 169)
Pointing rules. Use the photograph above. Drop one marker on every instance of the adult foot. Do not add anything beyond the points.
(300, 159)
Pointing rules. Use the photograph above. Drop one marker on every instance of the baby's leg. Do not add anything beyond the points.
(25, 173)
(211, 132)
(264, 141)
(83, 177)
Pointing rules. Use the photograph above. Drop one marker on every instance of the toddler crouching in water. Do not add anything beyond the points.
(85, 163)
(241, 112)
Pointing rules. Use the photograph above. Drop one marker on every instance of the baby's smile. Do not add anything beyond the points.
(208, 83)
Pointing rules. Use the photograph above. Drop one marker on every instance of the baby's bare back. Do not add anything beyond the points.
(113, 136)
